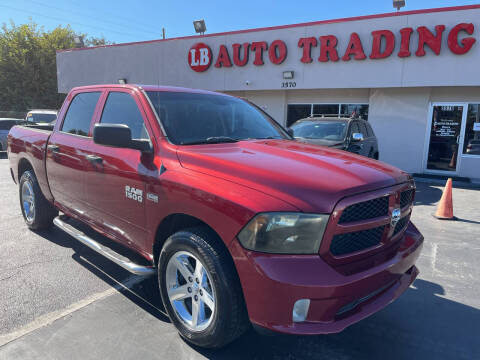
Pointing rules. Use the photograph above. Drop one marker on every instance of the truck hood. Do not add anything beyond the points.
(309, 177)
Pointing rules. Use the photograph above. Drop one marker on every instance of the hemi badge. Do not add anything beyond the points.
(152, 197)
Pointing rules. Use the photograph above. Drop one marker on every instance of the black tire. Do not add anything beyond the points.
(44, 212)
(370, 154)
(230, 319)
(375, 156)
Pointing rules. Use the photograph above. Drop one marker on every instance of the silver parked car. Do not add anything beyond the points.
(5, 125)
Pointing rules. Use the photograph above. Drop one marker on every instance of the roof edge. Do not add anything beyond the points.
(270, 28)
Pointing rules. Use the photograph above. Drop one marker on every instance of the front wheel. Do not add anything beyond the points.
(37, 211)
(200, 288)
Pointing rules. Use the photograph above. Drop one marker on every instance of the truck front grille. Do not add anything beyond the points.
(355, 241)
(360, 228)
(365, 210)
(406, 198)
(400, 225)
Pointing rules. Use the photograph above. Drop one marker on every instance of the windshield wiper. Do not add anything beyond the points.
(212, 140)
(266, 138)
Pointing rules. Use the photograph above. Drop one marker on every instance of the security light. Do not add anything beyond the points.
(398, 4)
(288, 74)
(200, 26)
(78, 41)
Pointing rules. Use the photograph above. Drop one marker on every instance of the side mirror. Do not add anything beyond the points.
(290, 131)
(357, 137)
(118, 135)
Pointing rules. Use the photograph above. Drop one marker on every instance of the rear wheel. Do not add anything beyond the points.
(200, 288)
(37, 211)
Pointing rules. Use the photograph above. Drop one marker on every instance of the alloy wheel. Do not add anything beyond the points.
(28, 201)
(190, 291)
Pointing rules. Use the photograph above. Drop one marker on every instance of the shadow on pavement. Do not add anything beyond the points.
(427, 194)
(421, 324)
(467, 221)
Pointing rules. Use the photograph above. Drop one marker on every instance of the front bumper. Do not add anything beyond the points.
(273, 283)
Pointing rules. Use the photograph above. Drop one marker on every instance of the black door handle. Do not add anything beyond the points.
(53, 148)
(94, 159)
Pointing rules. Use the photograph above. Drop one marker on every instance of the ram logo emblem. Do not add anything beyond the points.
(134, 194)
(396, 213)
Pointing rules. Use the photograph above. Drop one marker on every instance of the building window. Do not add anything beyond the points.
(471, 143)
(357, 110)
(325, 109)
(300, 111)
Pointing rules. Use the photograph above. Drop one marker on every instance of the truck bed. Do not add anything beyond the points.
(30, 143)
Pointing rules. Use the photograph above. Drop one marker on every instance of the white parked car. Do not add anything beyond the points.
(38, 116)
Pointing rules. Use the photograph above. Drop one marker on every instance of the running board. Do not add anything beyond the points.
(118, 259)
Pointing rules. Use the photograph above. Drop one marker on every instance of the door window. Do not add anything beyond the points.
(370, 130)
(444, 137)
(121, 108)
(363, 130)
(354, 128)
(6, 124)
(80, 112)
(471, 143)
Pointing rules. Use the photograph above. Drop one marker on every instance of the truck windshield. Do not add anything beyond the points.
(192, 118)
(334, 130)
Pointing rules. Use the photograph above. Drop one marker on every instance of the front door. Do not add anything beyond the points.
(445, 137)
(116, 177)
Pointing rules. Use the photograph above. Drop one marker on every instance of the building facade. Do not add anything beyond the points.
(413, 75)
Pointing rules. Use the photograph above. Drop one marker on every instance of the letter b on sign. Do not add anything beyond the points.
(199, 57)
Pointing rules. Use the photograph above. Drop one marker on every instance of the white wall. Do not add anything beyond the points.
(399, 119)
(165, 62)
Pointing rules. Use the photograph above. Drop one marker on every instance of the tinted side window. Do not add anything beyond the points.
(370, 130)
(354, 128)
(80, 112)
(363, 129)
(5, 125)
(121, 108)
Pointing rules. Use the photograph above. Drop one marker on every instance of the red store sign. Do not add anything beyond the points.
(324, 48)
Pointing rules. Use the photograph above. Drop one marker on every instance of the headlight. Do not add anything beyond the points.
(284, 233)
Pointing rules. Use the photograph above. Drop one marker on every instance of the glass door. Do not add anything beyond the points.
(445, 137)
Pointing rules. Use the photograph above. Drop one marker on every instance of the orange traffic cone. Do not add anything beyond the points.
(445, 206)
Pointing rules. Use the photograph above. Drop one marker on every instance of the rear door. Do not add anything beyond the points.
(116, 180)
(67, 149)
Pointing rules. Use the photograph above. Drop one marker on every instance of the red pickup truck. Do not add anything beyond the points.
(241, 224)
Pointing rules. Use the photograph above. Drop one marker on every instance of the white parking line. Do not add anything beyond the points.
(47, 319)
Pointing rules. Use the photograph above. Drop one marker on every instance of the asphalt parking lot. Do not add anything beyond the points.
(59, 300)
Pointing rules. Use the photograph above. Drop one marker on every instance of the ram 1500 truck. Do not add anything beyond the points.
(241, 224)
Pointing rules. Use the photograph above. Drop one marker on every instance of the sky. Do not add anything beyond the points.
(126, 20)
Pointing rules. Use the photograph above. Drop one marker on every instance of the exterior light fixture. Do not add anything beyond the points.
(122, 81)
(288, 74)
(78, 41)
(200, 26)
(398, 4)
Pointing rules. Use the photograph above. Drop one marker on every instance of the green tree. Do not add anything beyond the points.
(28, 71)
